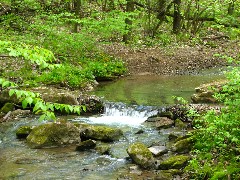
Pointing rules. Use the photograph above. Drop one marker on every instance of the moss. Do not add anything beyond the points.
(52, 134)
(183, 146)
(103, 133)
(7, 107)
(141, 155)
(23, 131)
(174, 162)
(180, 124)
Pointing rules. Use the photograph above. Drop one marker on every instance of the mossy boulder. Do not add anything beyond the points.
(53, 135)
(23, 131)
(102, 133)
(179, 124)
(183, 146)
(7, 107)
(174, 162)
(85, 145)
(141, 155)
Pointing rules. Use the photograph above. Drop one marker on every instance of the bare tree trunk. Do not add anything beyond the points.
(77, 7)
(177, 17)
(128, 36)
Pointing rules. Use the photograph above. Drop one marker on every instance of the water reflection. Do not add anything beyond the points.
(152, 90)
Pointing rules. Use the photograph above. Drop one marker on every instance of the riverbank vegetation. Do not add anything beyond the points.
(58, 42)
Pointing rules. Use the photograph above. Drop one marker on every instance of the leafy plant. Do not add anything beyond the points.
(38, 105)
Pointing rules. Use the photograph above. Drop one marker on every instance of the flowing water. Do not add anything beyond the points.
(144, 96)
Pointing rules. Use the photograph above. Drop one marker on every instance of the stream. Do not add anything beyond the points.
(128, 103)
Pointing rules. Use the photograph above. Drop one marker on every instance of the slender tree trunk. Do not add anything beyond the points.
(177, 17)
(231, 7)
(128, 36)
(77, 7)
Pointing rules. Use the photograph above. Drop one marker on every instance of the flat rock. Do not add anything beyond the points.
(158, 150)
(163, 122)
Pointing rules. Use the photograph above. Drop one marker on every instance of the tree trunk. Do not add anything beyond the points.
(77, 7)
(177, 17)
(128, 36)
(231, 7)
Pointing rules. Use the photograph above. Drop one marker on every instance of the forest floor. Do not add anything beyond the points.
(175, 60)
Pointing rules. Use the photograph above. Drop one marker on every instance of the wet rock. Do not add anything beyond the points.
(205, 92)
(140, 155)
(93, 103)
(179, 124)
(103, 149)
(85, 145)
(174, 162)
(102, 133)
(173, 136)
(183, 146)
(163, 122)
(53, 134)
(12, 115)
(23, 131)
(172, 171)
(167, 114)
(140, 131)
(158, 150)
(135, 170)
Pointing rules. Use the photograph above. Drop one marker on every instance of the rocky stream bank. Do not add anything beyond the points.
(154, 161)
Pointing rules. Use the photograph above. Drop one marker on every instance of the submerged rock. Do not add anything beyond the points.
(103, 149)
(102, 133)
(85, 145)
(141, 155)
(53, 134)
(174, 162)
(23, 131)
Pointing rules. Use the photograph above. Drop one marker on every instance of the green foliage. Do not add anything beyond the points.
(216, 154)
(39, 106)
(40, 56)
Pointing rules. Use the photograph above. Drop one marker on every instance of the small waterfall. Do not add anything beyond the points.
(122, 114)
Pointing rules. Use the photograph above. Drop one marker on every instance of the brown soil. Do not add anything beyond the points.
(174, 60)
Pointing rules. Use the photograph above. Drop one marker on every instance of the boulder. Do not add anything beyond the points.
(183, 146)
(102, 133)
(53, 135)
(141, 155)
(93, 103)
(158, 150)
(163, 122)
(179, 124)
(205, 92)
(23, 131)
(174, 162)
(85, 145)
